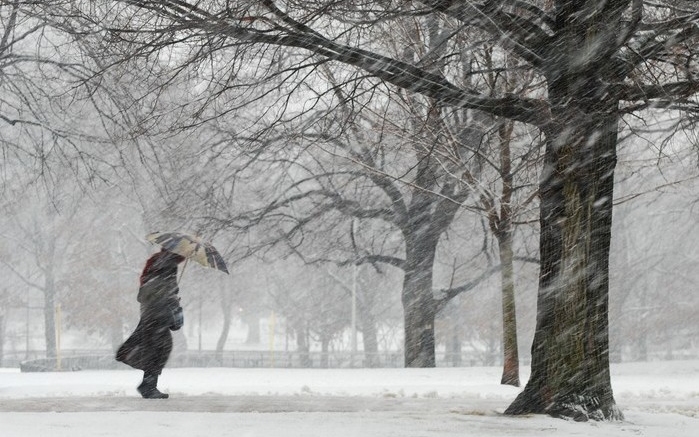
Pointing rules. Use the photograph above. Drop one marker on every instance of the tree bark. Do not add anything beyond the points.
(570, 353)
(224, 332)
(226, 308)
(510, 370)
(252, 319)
(502, 229)
(419, 305)
(454, 344)
(50, 315)
(369, 337)
(302, 344)
(325, 352)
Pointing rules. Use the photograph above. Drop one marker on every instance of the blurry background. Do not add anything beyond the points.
(77, 258)
(310, 179)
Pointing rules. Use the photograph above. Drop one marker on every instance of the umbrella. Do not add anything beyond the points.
(190, 247)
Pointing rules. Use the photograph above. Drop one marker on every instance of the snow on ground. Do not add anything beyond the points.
(658, 399)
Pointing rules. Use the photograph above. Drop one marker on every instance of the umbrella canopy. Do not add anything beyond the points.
(190, 247)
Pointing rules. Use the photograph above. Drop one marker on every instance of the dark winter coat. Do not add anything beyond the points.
(149, 347)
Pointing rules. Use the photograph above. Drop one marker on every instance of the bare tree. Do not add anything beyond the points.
(100, 282)
(600, 60)
(370, 288)
(509, 198)
(44, 134)
(652, 277)
(432, 201)
(361, 187)
(315, 307)
(41, 237)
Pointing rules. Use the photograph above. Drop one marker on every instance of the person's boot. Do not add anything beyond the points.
(148, 387)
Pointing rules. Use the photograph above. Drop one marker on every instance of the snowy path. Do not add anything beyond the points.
(658, 399)
(255, 404)
(403, 423)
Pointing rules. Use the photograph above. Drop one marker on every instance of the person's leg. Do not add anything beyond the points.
(158, 344)
(149, 387)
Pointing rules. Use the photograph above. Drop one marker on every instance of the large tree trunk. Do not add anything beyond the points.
(50, 316)
(454, 344)
(510, 370)
(324, 352)
(302, 346)
(570, 354)
(501, 225)
(225, 330)
(369, 337)
(252, 319)
(226, 309)
(419, 305)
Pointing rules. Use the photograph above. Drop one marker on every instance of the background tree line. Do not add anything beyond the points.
(381, 128)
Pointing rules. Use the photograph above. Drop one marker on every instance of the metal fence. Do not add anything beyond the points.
(83, 360)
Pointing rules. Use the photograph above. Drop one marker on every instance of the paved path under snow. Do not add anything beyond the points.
(249, 404)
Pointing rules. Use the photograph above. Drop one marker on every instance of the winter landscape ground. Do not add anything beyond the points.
(658, 399)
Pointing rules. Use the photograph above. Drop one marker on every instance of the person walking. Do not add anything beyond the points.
(149, 347)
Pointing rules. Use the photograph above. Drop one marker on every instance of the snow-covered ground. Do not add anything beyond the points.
(658, 399)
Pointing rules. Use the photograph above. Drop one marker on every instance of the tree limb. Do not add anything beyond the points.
(401, 74)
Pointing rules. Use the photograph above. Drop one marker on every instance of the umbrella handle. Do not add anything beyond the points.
(184, 266)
